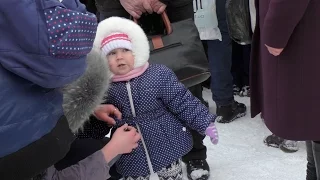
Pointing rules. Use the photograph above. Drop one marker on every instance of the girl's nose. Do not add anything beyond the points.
(119, 55)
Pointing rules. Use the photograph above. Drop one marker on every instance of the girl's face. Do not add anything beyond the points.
(121, 61)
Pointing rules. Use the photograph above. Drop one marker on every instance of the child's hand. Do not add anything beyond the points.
(125, 139)
(212, 132)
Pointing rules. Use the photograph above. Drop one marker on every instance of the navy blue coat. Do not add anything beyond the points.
(164, 108)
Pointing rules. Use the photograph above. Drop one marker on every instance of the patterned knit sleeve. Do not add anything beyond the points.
(183, 104)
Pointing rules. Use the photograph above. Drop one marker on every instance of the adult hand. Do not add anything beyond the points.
(104, 111)
(125, 139)
(274, 51)
(157, 6)
(135, 7)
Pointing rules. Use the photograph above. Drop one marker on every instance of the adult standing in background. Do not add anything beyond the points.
(284, 71)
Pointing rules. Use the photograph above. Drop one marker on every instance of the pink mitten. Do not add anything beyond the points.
(212, 132)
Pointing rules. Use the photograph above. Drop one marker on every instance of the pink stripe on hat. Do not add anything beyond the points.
(115, 41)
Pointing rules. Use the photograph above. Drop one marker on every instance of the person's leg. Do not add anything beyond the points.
(246, 50)
(237, 67)
(206, 83)
(199, 150)
(311, 167)
(219, 53)
(196, 159)
(197, 92)
(316, 156)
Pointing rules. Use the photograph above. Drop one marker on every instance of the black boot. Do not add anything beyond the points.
(273, 141)
(231, 112)
(198, 170)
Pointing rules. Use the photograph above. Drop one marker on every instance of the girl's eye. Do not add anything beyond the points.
(125, 50)
(111, 53)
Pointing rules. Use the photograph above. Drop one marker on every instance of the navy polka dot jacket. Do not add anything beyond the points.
(164, 108)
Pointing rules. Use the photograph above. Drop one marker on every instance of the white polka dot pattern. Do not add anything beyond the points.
(71, 33)
(163, 107)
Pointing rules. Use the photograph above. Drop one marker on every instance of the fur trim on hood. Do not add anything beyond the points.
(139, 40)
(83, 95)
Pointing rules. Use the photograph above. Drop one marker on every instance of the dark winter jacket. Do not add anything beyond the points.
(164, 108)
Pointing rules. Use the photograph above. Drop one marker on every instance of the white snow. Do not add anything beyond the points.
(241, 154)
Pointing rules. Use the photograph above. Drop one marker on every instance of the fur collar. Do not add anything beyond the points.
(83, 95)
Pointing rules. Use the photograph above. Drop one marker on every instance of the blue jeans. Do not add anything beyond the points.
(220, 61)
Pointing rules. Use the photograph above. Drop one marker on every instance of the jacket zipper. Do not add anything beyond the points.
(133, 111)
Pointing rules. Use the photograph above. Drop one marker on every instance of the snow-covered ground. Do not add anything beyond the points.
(241, 154)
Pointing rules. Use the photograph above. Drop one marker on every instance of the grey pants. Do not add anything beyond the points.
(313, 157)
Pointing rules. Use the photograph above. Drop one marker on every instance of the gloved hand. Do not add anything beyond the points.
(212, 132)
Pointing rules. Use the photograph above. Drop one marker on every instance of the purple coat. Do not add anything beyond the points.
(284, 87)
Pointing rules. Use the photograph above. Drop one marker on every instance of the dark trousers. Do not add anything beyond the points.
(37, 157)
(240, 64)
(220, 60)
(313, 157)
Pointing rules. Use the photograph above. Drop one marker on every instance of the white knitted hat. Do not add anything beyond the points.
(133, 38)
(115, 41)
